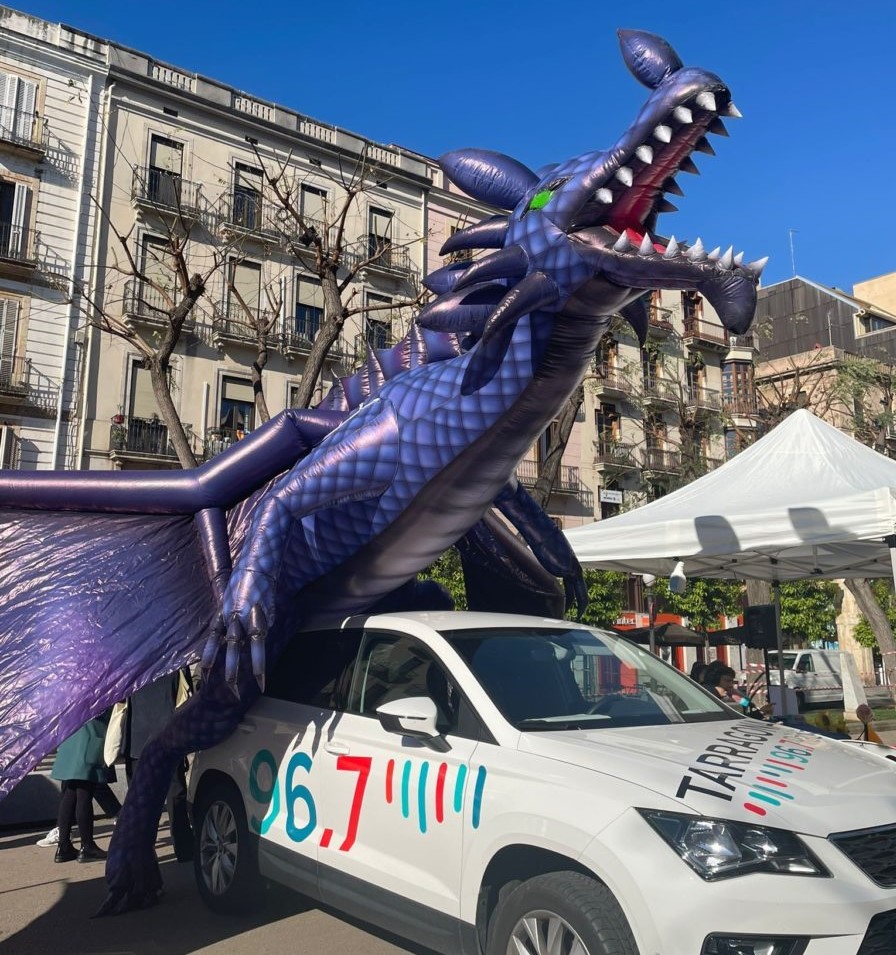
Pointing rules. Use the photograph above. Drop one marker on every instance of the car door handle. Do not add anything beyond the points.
(247, 726)
(337, 749)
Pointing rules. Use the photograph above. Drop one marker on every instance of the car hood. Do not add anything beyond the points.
(741, 769)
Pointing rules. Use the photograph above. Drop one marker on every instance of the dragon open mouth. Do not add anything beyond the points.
(580, 236)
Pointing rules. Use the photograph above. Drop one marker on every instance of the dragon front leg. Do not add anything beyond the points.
(546, 540)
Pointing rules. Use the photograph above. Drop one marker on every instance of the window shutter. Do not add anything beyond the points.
(167, 155)
(314, 204)
(20, 202)
(381, 223)
(248, 178)
(26, 99)
(311, 293)
(143, 400)
(247, 281)
(9, 328)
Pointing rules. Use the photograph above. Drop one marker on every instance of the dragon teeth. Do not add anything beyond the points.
(683, 115)
(645, 154)
(739, 258)
(604, 195)
(733, 112)
(688, 165)
(663, 133)
(717, 127)
(706, 100)
(757, 266)
(646, 247)
(625, 175)
(671, 248)
(714, 255)
(696, 253)
(622, 243)
(670, 185)
(727, 260)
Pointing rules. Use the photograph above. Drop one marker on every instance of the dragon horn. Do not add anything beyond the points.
(509, 263)
(649, 57)
(489, 176)
(488, 234)
(533, 292)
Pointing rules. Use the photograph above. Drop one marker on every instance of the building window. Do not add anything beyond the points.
(378, 324)
(460, 255)
(236, 412)
(692, 307)
(11, 369)
(158, 277)
(15, 210)
(309, 307)
(244, 291)
(18, 103)
(379, 238)
(166, 166)
(606, 421)
(247, 183)
(313, 206)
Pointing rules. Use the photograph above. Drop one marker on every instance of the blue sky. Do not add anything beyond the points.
(543, 81)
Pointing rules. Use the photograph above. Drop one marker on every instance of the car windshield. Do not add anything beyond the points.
(553, 678)
(788, 658)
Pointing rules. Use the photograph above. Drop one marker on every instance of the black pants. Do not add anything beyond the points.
(76, 803)
(106, 799)
(176, 804)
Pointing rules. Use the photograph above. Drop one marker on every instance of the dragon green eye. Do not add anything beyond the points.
(541, 199)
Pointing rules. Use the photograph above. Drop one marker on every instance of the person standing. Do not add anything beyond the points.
(80, 767)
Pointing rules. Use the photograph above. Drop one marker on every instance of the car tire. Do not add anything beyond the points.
(579, 908)
(226, 859)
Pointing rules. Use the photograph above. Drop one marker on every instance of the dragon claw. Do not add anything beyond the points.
(236, 636)
(210, 650)
(258, 630)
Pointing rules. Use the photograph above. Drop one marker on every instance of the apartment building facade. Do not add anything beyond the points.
(51, 83)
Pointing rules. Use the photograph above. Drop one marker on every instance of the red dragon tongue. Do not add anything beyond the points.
(636, 238)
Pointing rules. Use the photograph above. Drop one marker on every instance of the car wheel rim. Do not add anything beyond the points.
(544, 933)
(218, 848)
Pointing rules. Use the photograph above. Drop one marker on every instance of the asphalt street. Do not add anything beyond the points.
(46, 908)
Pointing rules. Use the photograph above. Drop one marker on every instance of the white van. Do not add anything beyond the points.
(815, 675)
(486, 784)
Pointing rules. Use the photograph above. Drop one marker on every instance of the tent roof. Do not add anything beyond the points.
(806, 500)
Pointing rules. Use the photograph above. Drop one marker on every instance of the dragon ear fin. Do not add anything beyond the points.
(637, 315)
(465, 310)
(444, 279)
(511, 262)
(489, 176)
(533, 292)
(648, 56)
(488, 234)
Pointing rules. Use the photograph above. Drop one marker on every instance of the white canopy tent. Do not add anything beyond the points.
(804, 501)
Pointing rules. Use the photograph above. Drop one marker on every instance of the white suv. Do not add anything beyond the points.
(505, 784)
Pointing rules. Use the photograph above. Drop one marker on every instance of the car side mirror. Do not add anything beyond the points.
(414, 716)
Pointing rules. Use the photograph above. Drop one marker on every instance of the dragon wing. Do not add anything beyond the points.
(92, 606)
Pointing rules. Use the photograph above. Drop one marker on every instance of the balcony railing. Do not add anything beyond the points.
(566, 482)
(744, 405)
(615, 454)
(741, 341)
(660, 325)
(248, 213)
(301, 332)
(141, 436)
(659, 389)
(657, 459)
(220, 439)
(18, 244)
(611, 379)
(382, 255)
(232, 323)
(147, 304)
(14, 374)
(704, 333)
(24, 130)
(166, 190)
(704, 399)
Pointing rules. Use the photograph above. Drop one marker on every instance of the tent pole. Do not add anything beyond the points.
(776, 594)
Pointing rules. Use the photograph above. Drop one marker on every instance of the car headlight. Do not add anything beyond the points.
(719, 848)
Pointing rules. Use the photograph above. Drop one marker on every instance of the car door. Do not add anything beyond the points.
(283, 736)
(397, 808)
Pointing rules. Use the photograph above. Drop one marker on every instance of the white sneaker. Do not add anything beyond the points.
(50, 839)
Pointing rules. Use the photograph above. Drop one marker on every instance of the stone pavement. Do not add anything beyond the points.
(45, 908)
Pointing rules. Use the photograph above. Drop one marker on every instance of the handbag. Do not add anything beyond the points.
(114, 742)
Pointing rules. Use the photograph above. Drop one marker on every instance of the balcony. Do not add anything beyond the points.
(365, 342)
(659, 390)
(18, 250)
(567, 481)
(14, 374)
(610, 382)
(166, 192)
(660, 461)
(383, 256)
(705, 335)
(660, 326)
(231, 325)
(704, 400)
(301, 332)
(141, 438)
(742, 343)
(146, 305)
(615, 456)
(23, 133)
(742, 406)
(246, 214)
(220, 439)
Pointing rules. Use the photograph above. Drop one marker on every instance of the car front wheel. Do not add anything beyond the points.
(226, 860)
(560, 913)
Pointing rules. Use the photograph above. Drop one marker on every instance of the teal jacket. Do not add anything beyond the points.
(81, 755)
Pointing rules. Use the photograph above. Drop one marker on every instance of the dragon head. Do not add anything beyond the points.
(579, 237)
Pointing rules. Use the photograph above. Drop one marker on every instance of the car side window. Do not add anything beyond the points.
(316, 669)
(805, 665)
(393, 667)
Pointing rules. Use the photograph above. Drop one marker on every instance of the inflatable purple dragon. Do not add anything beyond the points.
(326, 512)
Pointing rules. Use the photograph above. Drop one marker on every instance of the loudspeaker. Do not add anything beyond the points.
(762, 634)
